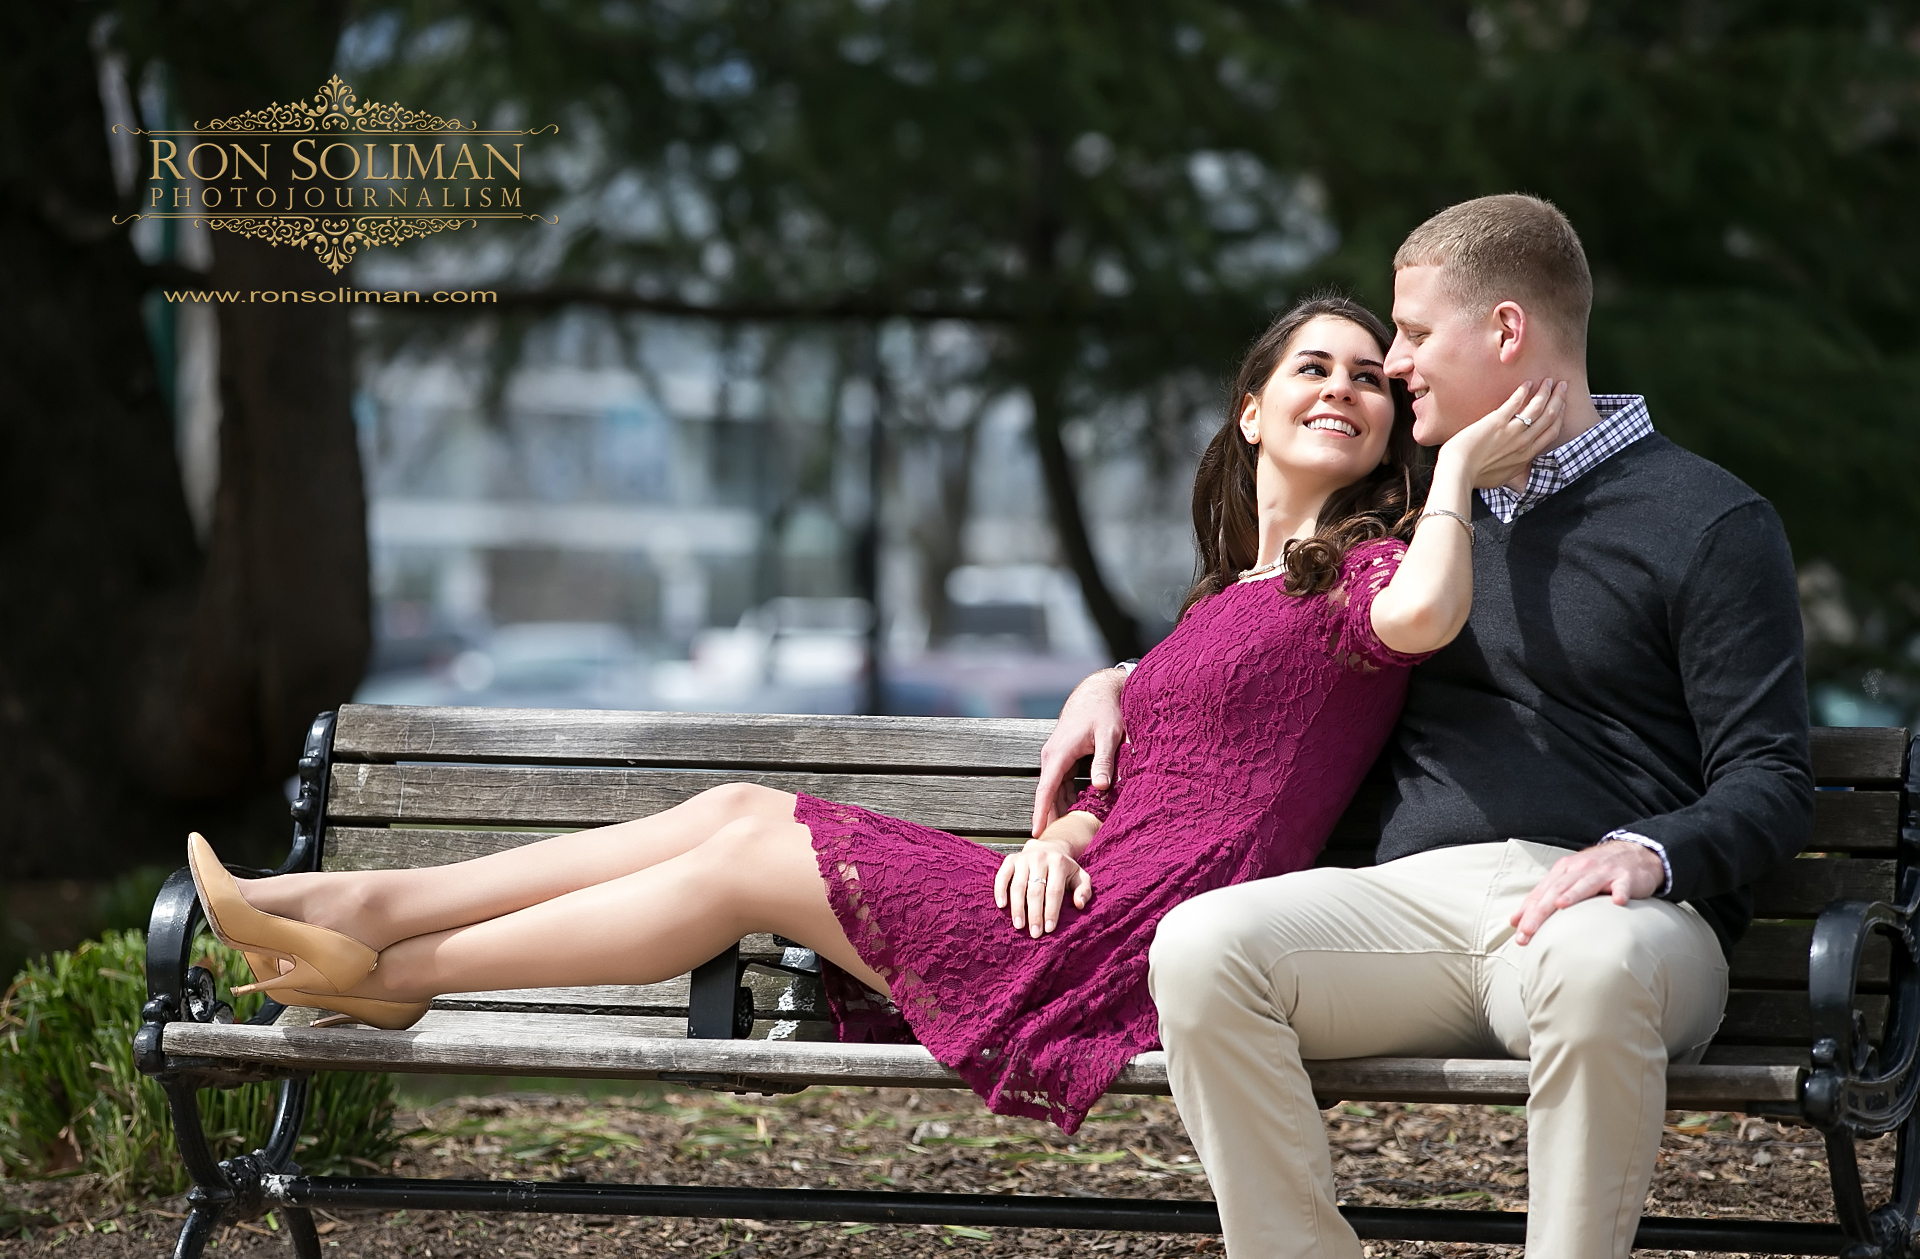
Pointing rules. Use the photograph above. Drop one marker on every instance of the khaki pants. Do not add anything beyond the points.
(1415, 958)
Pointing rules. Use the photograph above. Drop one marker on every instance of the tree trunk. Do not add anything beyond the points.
(939, 530)
(1045, 348)
(143, 686)
(1117, 626)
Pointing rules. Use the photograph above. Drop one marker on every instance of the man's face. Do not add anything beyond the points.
(1448, 358)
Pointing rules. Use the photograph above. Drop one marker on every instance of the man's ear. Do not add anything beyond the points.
(1508, 323)
(1250, 420)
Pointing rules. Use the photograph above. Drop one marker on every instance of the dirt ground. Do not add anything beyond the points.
(1458, 1156)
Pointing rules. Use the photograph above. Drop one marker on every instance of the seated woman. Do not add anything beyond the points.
(1251, 726)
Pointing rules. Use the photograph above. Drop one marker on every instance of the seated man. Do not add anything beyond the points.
(1587, 783)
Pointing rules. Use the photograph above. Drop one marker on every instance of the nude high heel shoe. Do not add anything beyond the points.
(392, 1016)
(324, 961)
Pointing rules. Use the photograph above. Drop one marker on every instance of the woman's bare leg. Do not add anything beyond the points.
(379, 907)
(754, 874)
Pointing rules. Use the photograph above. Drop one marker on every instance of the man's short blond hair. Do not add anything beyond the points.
(1508, 248)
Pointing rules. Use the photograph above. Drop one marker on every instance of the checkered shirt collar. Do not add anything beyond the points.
(1623, 421)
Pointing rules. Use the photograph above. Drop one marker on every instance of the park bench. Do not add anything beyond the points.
(1822, 1026)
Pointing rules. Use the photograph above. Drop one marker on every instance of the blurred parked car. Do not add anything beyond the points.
(539, 664)
(789, 655)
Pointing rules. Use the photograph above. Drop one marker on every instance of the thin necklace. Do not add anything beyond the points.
(1252, 573)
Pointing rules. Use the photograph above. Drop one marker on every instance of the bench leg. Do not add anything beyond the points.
(1890, 1226)
(306, 1242)
(231, 1190)
(719, 1007)
(1849, 1198)
(196, 1232)
(1860, 1088)
(228, 1191)
(1895, 1222)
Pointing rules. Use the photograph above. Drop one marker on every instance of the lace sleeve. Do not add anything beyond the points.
(1363, 574)
(1098, 803)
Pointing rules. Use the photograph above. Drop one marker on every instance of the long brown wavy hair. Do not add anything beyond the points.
(1226, 518)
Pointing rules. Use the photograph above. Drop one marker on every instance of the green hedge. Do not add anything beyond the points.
(71, 1100)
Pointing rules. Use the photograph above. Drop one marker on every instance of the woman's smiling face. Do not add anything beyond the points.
(1325, 414)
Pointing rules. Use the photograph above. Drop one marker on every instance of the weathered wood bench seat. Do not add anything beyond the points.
(403, 787)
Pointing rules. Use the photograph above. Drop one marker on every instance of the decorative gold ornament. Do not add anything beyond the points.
(336, 108)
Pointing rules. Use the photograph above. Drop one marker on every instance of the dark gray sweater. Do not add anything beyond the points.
(1633, 660)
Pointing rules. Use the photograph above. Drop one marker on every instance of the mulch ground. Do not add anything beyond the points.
(1448, 1156)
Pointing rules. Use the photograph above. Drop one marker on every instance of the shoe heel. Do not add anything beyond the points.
(304, 977)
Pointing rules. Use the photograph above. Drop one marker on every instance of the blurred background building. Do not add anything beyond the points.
(662, 516)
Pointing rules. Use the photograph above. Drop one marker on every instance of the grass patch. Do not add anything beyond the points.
(71, 1100)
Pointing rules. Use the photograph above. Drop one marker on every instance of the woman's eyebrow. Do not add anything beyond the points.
(1322, 354)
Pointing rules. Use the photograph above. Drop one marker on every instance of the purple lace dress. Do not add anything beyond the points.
(1249, 729)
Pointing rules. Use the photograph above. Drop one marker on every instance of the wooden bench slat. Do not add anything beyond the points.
(1719, 1055)
(1781, 1018)
(375, 732)
(1856, 822)
(1859, 757)
(664, 1000)
(1776, 952)
(1753, 1016)
(1774, 955)
(775, 996)
(534, 796)
(590, 1046)
(1860, 822)
(1803, 887)
(1800, 889)
(400, 848)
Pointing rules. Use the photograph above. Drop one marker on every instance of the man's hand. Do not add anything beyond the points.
(1090, 721)
(1616, 868)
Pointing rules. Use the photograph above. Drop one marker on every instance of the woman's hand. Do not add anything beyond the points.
(1427, 602)
(1502, 444)
(1034, 883)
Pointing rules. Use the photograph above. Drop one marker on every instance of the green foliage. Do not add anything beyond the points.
(1125, 190)
(127, 902)
(71, 1099)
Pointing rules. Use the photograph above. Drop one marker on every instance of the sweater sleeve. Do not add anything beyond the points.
(1736, 625)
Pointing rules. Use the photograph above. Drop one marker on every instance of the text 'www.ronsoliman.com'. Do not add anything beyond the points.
(346, 296)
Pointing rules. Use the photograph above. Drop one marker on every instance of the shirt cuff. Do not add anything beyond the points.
(1655, 846)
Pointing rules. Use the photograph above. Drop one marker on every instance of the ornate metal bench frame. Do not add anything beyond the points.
(1854, 1089)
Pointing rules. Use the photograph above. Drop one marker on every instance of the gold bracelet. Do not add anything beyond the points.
(1451, 515)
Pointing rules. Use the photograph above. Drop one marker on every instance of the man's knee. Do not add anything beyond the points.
(1610, 973)
(1203, 959)
(1601, 968)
